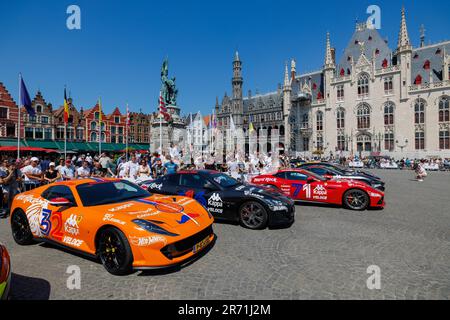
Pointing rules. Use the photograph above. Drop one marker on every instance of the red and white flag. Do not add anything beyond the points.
(162, 108)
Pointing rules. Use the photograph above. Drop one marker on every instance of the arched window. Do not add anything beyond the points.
(93, 125)
(389, 114)
(319, 121)
(281, 130)
(93, 136)
(38, 108)
(363, 85)
(444, 109)
(363, 116)
(419, 111)
(364, 143)
(96, 115)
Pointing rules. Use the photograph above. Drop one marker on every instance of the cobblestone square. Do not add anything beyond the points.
(323, 255)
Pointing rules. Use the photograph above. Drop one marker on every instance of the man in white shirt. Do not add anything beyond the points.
(67, 172)
(83, 172)
(132, 168)
(32, 174)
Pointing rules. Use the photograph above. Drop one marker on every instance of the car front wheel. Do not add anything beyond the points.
(253, 215)
(21, 228)
(356, 199)
(114, 252)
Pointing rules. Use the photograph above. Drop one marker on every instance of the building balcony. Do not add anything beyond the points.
(318, 102)
(390, 69)
(429, 86)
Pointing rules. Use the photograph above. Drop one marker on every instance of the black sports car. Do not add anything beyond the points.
(226, 198)
(335, 173)
(342, 168)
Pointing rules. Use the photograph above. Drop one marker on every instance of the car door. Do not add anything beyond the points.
(61, 223)
(166, 185)
(296, 181)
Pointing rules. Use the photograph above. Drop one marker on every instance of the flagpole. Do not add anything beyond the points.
(126, 135)
(100, 128)
(65, 140)
(18, 125)
(160, 134)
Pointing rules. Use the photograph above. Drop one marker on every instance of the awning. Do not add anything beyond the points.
(26, 149)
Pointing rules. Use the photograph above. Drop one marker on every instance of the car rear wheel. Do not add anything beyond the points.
(21, 228)
(253, 215)
(356, 199)
(114, 252)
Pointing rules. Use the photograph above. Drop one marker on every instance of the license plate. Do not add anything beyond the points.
(199, 246)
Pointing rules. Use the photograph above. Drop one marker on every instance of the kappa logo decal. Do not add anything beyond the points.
(71, 225)
(320, 190)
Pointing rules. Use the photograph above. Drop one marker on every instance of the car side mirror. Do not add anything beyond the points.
(209, 186)
(310, 180)
(60, 202)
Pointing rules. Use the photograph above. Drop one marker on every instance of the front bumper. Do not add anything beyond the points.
(175, 254)
(286, 217)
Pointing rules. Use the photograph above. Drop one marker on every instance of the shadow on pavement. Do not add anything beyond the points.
(27, 288)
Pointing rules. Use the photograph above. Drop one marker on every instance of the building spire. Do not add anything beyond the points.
(293, 69)
(286, 75)
(236, 56)
(329, 63)
(403, 38)
(422, 35)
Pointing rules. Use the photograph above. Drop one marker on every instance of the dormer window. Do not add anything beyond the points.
(426, 65)
(377, 51)
(418, 80)
(370, 38)
(384, 64)
(438, 51)
(416, 56)
(348, 71)
(349, 58)
(342, 72)
(314, 86)
(356, 41)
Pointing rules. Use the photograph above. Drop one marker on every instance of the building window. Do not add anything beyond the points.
(96, 115)
(305, 143)
(389, 114)
(38, 133)
(444, 109)
(93, 136)
(60, 133)
(420, 140)
(116, 119)
(340, 92)
(44, 120)
(418, 80)
(120, 139)
(48, 134)
(363, 85)
(341, 142)
(388, 85)
(419, 112)
(93, 125)
(3, 113)
(32, 118)
(444, 139)
(363, 116)
(120, 130)
(113, 130)
(38, 109)
(80, 134)
(389, 141)
(319, 120)
(340, 118)
(28, 133)
(319, 142)
(305, 121)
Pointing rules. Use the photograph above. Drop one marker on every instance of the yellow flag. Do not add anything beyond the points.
(251, 129)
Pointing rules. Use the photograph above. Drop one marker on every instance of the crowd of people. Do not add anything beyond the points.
(26, 173)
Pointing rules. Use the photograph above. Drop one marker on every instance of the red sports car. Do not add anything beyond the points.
(307, 186)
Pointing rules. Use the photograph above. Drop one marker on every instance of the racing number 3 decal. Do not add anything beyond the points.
(48, 220)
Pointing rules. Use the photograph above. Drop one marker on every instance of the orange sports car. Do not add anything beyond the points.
(116, 221)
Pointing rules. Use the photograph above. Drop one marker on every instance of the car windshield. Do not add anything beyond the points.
(224, 181)
(94, 194)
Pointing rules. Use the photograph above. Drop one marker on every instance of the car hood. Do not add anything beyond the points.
(177, 214)
(261, 192)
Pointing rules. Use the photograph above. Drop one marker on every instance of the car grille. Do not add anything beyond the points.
(185, 246)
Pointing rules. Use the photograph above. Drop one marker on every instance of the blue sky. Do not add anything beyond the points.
(118, 52)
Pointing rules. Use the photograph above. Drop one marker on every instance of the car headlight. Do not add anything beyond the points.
(153, 227)
(277, 205)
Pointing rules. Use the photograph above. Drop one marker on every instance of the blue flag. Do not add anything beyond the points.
(25, 98)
